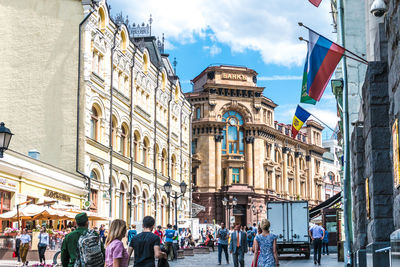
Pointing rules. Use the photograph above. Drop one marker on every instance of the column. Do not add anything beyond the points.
(229, 176)
(309, 179)
(297, 173)
(258, 165)
(249, 160)
(285, 187)
(218, 161)
(241, 175)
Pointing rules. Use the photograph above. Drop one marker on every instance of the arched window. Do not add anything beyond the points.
(144, 203)
(94, 124)
(233, 133)
(136, 141)
(114, 132)
(331, 177)
(157, 159)
(124, 140)
(163, 222)
(164, 163)
(102, 19)
(122, 201)
(146, 147)
(173, 167)
(93, 193)
(124, 42)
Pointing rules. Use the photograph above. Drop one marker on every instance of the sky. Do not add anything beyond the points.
(259, 34)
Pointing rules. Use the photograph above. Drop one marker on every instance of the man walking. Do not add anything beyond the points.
(175, 246)
(71, 250)
(238, 246)
(131, 233)
(169, 235)
(146, 245)
(223, 236)
(317, 234)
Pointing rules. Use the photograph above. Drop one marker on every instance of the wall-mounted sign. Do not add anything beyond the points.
(232, 76)
(8, 183)
(57, 195)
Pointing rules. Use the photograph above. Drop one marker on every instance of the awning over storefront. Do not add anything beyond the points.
(196, 209)
(326, 204)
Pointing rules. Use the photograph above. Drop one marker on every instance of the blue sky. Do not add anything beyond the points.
(259, 34)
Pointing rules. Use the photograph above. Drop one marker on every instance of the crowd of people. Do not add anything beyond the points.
(105, 247)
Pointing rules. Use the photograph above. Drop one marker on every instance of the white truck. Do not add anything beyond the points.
(289, 222)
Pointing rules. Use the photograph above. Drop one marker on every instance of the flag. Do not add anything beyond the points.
(315, 2)
(323, 57)
(304, 98)
(300, 117)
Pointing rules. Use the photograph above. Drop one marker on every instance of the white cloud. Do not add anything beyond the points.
(279, 78)
(285, 114)
(269, 27)
(213, 49)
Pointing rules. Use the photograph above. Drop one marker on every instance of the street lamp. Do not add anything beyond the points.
(228, 206)
(5, 138)
(168, 190)
(255, 210)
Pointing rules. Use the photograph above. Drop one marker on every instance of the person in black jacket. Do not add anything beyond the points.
(17, 246)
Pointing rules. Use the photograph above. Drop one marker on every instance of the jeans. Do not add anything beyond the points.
(325, 248)
(42, 251)
(225, 249)
(317, 244)
(175, 248)
(169, 249)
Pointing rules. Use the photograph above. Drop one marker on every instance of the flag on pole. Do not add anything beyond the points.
(305, 98)
(323, 57)
(315, 2)
(300, 117)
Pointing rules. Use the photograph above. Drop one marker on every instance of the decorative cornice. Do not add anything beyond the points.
(286, 149)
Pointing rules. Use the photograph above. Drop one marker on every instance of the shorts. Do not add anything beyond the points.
(250, 243)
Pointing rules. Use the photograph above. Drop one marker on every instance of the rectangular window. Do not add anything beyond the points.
(194, 146)
(235, 175)
(198, 113)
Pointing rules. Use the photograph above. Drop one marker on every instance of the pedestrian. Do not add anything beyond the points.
(210, 241)
(317, 233)
(255, 229)
(131, 233)
(102, 231)
(182, 238)
(238, 246)
(325, 243)
(250, 238)
(175, 240)
(265, 252)
(82, 247)
(18, 245)
(169, 234)
(159, 233)
(42, 245)
(116, 254)
(25, 246)
(223, 236)
(146, 245)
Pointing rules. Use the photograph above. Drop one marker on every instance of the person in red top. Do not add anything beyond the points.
(159, 233)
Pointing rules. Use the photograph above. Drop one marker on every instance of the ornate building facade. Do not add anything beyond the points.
(242, 155)
(104, 103)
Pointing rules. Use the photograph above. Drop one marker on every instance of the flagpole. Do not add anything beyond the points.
(353, 58)
(357, 56)
(327, 126)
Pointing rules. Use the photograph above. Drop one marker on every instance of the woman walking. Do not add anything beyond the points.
(43, 243)
(24, 247)
(116, 254)
(18, 245)
(265, 243)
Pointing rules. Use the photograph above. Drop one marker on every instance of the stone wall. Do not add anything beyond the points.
(393, 35)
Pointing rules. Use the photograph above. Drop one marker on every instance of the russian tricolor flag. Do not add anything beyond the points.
(323, 57)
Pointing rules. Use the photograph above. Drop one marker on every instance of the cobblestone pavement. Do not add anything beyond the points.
(207, 260)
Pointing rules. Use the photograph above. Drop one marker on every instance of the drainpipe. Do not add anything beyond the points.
(180, 121)
(78, 104)
(169, 150)
(131, 137)
(155, 145)
(111, 113)
(190, 158)
(347, 179)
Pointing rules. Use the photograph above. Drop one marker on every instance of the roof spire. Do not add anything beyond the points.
(175, 63)
(150, 22)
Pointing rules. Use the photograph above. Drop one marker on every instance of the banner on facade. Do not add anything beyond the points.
(396, 156)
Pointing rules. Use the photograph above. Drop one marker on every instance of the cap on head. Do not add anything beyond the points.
(81, 218)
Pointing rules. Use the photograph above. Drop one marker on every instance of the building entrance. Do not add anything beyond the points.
(239, 211)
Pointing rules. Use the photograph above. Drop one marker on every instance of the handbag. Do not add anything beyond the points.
(14, 254)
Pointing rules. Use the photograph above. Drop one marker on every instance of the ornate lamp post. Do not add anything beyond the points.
(256, 211)
(5, 138)
(168, 190)
(229, 206)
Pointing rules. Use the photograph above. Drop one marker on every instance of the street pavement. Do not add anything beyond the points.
(207, 260)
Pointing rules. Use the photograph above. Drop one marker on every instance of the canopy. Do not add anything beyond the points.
(326, 204)
(37, 212)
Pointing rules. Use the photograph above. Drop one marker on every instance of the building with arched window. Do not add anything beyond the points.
(240, 151)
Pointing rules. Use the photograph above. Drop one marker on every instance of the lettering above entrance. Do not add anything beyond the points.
(57, 195)
(232, 76)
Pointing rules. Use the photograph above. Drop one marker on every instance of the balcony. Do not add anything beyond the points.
(235, 157)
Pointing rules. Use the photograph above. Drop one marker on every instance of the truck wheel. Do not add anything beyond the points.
(307, 255)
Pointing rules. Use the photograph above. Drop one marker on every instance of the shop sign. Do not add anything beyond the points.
(57, 195)
(5, 182)
(232, 76)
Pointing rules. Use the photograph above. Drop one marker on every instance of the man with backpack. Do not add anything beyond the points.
(250, 238)
(82, 247)
(223, 236)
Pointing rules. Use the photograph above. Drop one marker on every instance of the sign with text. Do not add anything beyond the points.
(233, 76)
(57, 195)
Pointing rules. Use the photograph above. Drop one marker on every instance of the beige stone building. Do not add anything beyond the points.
(240, 151)
(96, 99)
